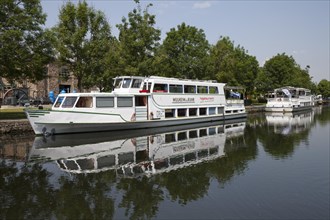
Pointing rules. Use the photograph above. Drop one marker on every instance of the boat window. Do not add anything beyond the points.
(189, 89)
(182, 136)
(169, 113)
(160, 87)
(118, 82)
(214, 150)
(140, 100)
(103, 102)
(202, 153)
(58, 102)
(190, 156)
(202, 89)
(193, 134)
(124, 101)
(220, 110)
(69, 102)
(213, 90)
(146, 87)
(136, 83)
(126, 83)
(202, 132)
(169, 138)
(212, 131)
(85, 102)
(212, 111)
(182, 112)
(202, 111)
(192, 111)
(176, 89)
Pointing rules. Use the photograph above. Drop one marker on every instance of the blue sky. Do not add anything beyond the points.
(263, 28)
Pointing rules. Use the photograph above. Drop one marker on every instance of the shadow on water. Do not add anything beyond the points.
(129, 174)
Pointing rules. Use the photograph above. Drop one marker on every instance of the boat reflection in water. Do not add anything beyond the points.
(289, 123)
(139, 152)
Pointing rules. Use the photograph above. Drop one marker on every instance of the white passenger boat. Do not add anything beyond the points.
(137, 103)
(131, 155)
(289, 99)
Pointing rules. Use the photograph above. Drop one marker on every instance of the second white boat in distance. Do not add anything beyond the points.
(137, 103)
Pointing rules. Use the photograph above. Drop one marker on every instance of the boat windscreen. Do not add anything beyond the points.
(126, 83)
(69, 102)
(118, 82)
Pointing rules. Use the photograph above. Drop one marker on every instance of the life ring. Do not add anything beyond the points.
(133, 118)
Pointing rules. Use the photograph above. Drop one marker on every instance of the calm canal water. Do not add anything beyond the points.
(270, 166)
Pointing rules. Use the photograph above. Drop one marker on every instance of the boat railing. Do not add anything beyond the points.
(235, 102)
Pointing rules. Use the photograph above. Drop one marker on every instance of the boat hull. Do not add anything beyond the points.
(287, 109)
(50, 127)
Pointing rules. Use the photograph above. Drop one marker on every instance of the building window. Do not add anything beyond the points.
(64, 72)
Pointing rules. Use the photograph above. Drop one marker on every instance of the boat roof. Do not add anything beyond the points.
(292, 88)
(163, 79)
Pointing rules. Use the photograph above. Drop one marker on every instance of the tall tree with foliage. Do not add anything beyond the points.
(138, 41)
(25, 47)
(233, 65)
(282, 70)
(184, 53)
(324, 88)
(83, 40)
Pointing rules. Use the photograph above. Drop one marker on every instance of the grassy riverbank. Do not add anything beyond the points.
(12, 113)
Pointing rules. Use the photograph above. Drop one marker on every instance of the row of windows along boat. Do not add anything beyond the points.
(138, 103)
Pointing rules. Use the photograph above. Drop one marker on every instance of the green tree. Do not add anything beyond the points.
(324, 88)
(138, 41)
(184, 53)
(25, 46)
(233, 65)
(83, 40)
(282, 70)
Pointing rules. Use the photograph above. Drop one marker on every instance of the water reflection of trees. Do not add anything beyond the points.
(25, 192)
(85, 197)
(141, 197)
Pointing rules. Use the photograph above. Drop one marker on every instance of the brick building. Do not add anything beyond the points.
(57, 78)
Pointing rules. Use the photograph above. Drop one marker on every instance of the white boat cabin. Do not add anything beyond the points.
(145, 98)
